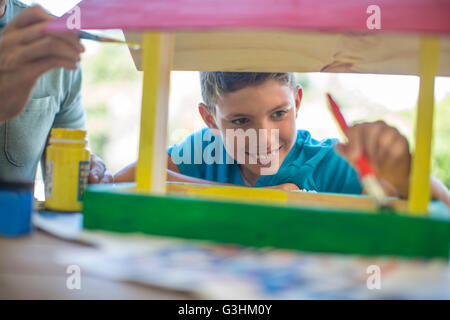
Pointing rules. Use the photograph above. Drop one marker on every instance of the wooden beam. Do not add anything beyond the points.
(152, 162)
(419, 194)
(270, 51)
(280, 197)
(277, 226)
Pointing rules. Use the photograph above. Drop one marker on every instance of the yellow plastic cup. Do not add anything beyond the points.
(66, 169)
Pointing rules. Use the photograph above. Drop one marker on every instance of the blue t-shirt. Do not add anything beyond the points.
(310, 164)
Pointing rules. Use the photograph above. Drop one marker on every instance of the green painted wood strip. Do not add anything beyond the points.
(314, 230)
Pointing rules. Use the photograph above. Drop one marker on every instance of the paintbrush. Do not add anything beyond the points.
(366, 172)
(89, 36)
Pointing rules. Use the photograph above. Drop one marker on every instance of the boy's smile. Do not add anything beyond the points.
(264, 117)
(264, 159)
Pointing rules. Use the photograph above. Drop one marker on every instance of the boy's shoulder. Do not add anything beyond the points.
(315, 165)
(304, 138)
(307, 147)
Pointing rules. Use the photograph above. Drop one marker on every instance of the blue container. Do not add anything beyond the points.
(16, 206)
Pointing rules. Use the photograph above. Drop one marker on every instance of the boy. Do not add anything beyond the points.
(251, 139)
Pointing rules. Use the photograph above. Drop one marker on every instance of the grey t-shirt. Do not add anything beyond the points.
(55, 103)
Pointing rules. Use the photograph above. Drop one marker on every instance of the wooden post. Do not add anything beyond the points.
(419, 190)
(157, 64)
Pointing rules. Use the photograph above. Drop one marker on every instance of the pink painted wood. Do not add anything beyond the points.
(429, 16)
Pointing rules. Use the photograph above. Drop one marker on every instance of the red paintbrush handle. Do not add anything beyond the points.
(337, 114)
(364, 166)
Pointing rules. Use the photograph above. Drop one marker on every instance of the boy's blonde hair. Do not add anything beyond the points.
(214, 84)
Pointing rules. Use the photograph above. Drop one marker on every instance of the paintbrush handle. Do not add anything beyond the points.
(363, 166)
(335, 110)
(90, 36)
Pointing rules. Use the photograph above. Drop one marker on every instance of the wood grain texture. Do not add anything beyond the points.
(264, 51)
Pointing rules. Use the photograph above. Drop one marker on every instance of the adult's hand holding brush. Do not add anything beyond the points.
(26, 53)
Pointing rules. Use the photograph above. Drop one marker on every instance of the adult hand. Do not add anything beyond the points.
(26, 53)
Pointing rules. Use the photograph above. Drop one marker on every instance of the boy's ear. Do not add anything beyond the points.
(298, 98)
(207, 116)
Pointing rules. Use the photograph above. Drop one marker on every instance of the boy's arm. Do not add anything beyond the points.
(128, 174)
(173, 174)
(439, 191)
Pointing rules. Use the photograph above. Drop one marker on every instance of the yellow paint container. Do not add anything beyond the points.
(66, 169)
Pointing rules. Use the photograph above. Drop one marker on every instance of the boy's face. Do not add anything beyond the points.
(271, 106)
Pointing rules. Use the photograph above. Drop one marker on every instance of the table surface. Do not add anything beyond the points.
(31, 268)
(28, 270)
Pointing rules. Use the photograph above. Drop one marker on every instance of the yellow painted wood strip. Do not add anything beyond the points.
(310, 199)
(242, 194)
(419, 195)
(152, 162)
(159, 173)
(150, 52)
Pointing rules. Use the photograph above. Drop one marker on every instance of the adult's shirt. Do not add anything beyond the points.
(55, 103)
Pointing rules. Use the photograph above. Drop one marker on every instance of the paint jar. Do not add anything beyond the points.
(66, 169)
(16, 205)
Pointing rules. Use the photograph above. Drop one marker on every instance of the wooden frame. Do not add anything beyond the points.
(289, 226)
(223, 213)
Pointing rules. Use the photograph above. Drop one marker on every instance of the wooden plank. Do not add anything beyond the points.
(430, 16)
(280, 197)
(421, 163)
(270, 51)
(152, 161)
(305, 229)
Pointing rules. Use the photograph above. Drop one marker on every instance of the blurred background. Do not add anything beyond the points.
(112, 98)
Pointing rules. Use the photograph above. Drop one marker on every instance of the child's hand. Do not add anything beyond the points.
(385, 148)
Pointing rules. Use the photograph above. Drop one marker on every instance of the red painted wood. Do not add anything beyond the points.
(331, 15)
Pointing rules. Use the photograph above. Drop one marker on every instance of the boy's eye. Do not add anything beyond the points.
(279, 114)
(240, 121)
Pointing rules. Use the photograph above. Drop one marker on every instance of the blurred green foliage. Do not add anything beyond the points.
(96, 123)
(109, 65)
(112, 64)
(441, 146)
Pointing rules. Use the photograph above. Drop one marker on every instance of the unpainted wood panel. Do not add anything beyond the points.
(263, 51)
